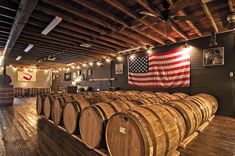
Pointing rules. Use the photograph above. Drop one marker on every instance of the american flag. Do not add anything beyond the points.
(160, 70)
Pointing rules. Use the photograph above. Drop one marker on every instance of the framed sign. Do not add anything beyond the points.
(213, 56)
(27, 76)
(67, 76)
(119, 68)
(89, 72)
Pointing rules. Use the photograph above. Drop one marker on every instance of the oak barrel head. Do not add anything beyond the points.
(39, 104)
(91, 127)
(47, 107)
(56, 111)
(71, 117)
(123, 136)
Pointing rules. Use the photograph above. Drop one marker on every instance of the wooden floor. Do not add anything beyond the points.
(22, 132)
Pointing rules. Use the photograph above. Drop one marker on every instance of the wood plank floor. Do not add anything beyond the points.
(22, 132)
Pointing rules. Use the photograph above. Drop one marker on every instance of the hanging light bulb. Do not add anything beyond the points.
(91, 63)
(132, 56)
(99, 63)
(84, 65)
(108, 60)
(119, 58)
(78, 67)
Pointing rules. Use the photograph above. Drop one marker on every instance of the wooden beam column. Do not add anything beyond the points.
(24, 12)
(209, 16)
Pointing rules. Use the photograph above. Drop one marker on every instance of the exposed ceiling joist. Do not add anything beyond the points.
(127, 11)
(175, 27)
(191, 24)
(25, 10)
(114, 18)
(209, 16)
(112, 28)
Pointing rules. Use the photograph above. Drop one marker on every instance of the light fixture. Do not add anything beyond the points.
(51, 25)
(60, 69)
(15, 69)
(28, 48)
(132, 56)
(120, 58)
(78, 67)
(91, 63)
(149, 49)
(46, 71)
(98, 63)
(51, 58)
(108, 60)
(84, 65)
(18, 58)
(73, 67)
(186, 50)
(85, 45)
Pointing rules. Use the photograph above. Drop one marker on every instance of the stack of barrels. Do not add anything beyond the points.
(6, 95)
(26, 92)
(129, 122)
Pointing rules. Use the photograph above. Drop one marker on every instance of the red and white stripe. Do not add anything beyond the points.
(166, 70)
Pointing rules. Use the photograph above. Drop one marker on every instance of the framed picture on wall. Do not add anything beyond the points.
(67, 76)
(119, 68)
(213, 56)
(89, 72)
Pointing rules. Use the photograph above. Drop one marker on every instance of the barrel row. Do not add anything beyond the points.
(22, 92)
(94, 114)
(157, 129)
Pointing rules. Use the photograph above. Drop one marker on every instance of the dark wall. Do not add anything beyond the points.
(97, 72)
(213, 80)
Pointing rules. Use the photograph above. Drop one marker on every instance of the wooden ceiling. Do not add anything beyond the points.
(109, 26)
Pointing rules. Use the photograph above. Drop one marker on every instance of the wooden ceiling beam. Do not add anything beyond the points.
(127, 11)
(85, 31)
(231, 5)
(67, 39)
(209, 16)
(81, 33)
(109, 28)
(7, 8)
(83, 24)
(24, 11)
(60, 49)
(109, 15)
(175, 27)
(79, 37)
(5, 22)
(183, 13)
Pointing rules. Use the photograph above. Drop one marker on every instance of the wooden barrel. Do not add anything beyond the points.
(48, 105)
(210, 99)
(206, 103)
(71, 115)
(40, 103)
(191, 114)
(165, 97)
(147, 130)
(6, 95)
(58, 107)
(180, 95)
(93, 121)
